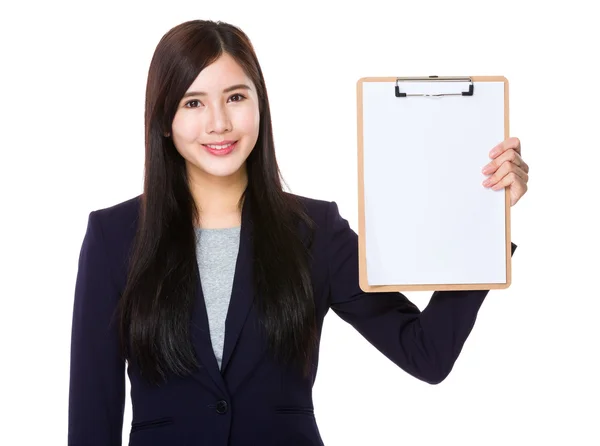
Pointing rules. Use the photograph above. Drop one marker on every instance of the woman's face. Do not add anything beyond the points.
(217, 108)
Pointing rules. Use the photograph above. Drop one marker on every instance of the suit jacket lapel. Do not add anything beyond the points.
(242, 293)
(201, 338)
(242, 297)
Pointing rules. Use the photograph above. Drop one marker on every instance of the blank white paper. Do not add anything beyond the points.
(428, 218)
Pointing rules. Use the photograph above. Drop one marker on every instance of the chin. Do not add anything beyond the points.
(216, 170)
(223, 173)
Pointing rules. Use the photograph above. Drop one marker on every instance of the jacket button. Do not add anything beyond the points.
(221, 406)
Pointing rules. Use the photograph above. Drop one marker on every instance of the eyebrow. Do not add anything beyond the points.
(227, 90)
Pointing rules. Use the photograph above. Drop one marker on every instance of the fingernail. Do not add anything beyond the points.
(486, 169)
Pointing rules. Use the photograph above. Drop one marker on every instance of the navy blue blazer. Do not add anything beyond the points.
(251, 400)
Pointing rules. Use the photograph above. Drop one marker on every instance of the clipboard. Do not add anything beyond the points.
(426, 222)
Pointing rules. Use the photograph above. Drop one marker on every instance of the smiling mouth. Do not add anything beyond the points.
(219, 146)
(220, 149)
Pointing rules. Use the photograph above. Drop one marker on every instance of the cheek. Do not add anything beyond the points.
(187, 130)
(249, 122)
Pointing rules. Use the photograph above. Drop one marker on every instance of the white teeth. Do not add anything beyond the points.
(218, 147)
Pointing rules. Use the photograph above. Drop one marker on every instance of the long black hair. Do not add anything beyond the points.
(156, 305)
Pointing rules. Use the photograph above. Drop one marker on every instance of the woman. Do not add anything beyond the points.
(213, 284)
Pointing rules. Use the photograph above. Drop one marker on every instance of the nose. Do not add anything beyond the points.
(218, 121)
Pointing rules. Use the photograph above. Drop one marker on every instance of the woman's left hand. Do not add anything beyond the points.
(508, 169)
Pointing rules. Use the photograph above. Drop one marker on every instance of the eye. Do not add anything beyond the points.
(240, 95)
(232, 96)
(189, 102)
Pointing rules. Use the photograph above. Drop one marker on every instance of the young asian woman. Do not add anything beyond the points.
(211, 287)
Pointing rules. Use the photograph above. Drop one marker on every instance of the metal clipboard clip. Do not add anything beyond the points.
(434, 78)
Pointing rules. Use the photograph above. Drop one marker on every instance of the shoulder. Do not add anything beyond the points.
(324, 212)
(118, 222)
(316, 208)
(115, 226)
(118, 214)
(331, 227)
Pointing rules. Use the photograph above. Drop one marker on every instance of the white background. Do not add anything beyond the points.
(73, 78)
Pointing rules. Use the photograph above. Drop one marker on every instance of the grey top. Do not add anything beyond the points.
(216, 252)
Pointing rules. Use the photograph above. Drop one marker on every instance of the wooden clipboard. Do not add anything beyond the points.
(470, 87)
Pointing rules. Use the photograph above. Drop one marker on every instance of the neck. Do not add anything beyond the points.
(217, 198)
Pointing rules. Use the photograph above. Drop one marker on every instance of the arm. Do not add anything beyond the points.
(424, 344)
(97, 379)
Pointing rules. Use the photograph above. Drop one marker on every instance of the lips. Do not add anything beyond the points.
(221, 150)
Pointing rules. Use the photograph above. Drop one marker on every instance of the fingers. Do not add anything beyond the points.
(511, 179)
(510, 143)
(510, 155)
(506, 169)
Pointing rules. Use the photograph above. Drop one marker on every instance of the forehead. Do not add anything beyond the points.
(222, 73)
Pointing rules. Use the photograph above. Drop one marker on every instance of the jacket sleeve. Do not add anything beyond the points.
(424, 344)
(97, 373)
